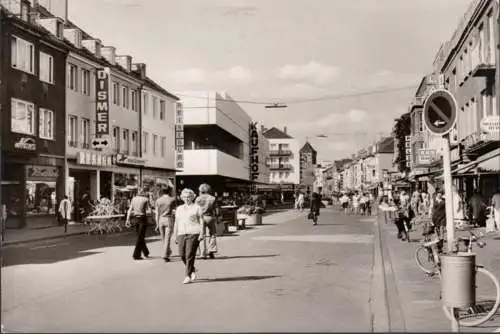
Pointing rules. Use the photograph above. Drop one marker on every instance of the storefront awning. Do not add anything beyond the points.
(488, 162)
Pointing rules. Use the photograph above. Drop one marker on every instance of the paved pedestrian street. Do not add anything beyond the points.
(286, 275)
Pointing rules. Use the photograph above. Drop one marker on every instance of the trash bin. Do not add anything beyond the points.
(254, 219)
(458, 279)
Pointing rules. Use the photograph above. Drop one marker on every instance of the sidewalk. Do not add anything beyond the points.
(18, 236)
(413, 297)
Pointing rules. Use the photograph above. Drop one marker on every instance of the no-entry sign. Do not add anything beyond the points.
(440, 112)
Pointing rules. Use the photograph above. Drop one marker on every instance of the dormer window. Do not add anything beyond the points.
(59, 29)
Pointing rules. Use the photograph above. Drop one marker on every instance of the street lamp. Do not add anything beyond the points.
(275, 106)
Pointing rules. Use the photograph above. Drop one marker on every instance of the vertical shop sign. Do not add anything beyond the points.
(408, 151)
(179, 136)
(254, 151)
(102, 101)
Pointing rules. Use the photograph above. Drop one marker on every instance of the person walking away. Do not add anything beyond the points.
(315, 206)
(209, 210)
(478, 207)
(164, 209)
(362, 204)
(344, 200)
(188, 232)
(137, 211)
(438, 217)
(300, 201)
(65, 212)
(495, 203)
(399, 218)
(458, 210)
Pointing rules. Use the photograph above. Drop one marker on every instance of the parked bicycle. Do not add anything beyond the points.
(427, 258)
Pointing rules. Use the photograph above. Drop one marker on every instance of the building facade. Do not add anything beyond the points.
(308, 160)
(284, 157)
(222, 145)
(33, 110)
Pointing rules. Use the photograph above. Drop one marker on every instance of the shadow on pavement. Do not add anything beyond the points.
(52, 251)
(235, 279)
(244, 257)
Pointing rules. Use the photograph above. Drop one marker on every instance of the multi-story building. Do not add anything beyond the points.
(33, 80)
(468, 63)
(222, 145)
(308, 160)
(284, 157)
(105, 94)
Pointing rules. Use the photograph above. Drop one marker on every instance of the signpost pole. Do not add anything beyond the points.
(450, 228)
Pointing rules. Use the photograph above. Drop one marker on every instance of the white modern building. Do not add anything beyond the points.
(284, 157)
(218, 144)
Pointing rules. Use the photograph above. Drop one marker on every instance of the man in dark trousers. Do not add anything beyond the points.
(137, 211)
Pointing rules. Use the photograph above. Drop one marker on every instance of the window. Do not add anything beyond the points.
(155, 144)
(72, 77)
(85, 133)
(22, 117)
(46, 70)
(145, 103)
(116, 93)
(116, 139)
(126, 146)
(155, 103)
(475, 117)
(23, 55)
(125, 97)
(481, 44)
(145, 142)
(494, 106)
(491, 42)
(59, 29)
(72, 130)
(85, 82)
(46, 124)
(162, 110)
(163, 146)
(134, 100)
(134, 143)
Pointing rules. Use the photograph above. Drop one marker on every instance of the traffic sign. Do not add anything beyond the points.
(440, 112)
(100, 143)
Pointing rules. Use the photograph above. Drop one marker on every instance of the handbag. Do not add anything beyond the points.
(310, 215)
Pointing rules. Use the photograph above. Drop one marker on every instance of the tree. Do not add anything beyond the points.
(401, 129)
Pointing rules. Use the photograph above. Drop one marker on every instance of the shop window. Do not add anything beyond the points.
(22, 117)
(40, 198)
(46, 124)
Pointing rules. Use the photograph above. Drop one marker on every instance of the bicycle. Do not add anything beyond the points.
(427, 258)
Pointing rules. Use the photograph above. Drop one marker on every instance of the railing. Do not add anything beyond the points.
(280, 152)
(280, 167)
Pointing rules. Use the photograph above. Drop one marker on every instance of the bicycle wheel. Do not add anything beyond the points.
(484, 308)
(425, 260)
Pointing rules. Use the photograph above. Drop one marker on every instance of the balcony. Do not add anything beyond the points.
(214, 162)
(280, 153)
(280, 167)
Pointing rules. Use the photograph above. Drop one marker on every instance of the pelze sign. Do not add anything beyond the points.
(253, 144)
(179, 136)
(102, 102)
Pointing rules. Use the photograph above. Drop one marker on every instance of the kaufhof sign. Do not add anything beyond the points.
(253, 144)
(179, 136)
(102, 101)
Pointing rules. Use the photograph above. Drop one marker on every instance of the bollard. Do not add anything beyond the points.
(458, 286)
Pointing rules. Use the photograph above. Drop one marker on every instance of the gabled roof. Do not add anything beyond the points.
(274, 133)
(307, 148)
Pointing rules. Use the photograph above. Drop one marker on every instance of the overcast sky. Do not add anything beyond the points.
(283, 51)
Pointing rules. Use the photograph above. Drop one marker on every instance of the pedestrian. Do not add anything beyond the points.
(355, 203)
(164, 208)
(209, 212)
(315, 206)
(438, 216)
(65, 212)
(300, 201)
(344, 201)
(188, 232)
(495, 204)
(137, 210)
(478, 207)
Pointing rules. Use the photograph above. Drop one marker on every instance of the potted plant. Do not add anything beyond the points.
(105, 218)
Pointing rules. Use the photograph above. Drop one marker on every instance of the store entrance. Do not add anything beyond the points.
(106, 184)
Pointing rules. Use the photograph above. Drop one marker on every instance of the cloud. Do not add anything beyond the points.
(357, 115)
(211, 78)
(312, 72)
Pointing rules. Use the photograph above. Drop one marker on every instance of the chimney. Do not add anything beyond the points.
(284, 129)
(125, 62)
(57, 8)
(140, 68)
(109, 53)
(93, 45)
(20, 9)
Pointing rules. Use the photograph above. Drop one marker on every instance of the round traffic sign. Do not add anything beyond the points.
(440, 112)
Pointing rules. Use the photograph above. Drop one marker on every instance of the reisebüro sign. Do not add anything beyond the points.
(102, 101)
(253, 144)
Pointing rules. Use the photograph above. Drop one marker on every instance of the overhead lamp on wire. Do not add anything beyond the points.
(276, 105)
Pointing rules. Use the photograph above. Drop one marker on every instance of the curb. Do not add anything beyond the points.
(52, 237)
(379, 305)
